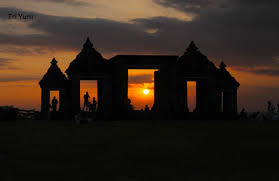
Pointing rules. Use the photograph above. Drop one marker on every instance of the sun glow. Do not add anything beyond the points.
(145, 91)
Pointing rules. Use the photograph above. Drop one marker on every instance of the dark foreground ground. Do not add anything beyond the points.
(139, 151)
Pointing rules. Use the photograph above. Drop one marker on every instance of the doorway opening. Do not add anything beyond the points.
(52, 94)
(192, 95)
(141, 88)
(90, 86)
(222, 101)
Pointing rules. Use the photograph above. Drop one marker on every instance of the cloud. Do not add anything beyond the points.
(4, 61)
(16, 50)
(141, 79)
(18, 85)
(240, 33)
(5, 64)
(68, 2)
(185, 5)
(70, 32)
(271, 71)
(19, 78)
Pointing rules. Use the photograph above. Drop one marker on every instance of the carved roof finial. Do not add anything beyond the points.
(222, 65)
(53, 61)
(54, 78)
(192, 47)
(88, 43)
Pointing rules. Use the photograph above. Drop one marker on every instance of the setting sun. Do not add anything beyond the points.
(146, 91)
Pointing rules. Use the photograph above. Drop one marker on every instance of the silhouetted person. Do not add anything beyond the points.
(130, 106)
(146, 109)
(86, 101)
(278, 107)
(54, 103)
(90, 107)
(243, 114)
(94, 105)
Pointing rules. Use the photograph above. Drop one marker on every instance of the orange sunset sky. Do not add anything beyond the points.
(242, 34)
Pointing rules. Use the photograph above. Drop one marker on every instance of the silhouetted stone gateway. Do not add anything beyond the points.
(216, 89)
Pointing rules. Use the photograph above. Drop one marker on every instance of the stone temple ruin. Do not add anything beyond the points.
(216, 89)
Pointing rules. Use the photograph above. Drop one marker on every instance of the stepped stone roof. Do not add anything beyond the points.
(54, 78)
(87, 61)
(225, 78)
(194, 62)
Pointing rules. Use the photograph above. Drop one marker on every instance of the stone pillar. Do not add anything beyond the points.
(100, 96)
(235, 111)
(182, 109)
(198, 96)
(45, 106)
(167, 88)
(172, 87)
(162, 90)
(184, 96)
(107, 98)
(62, 100)
(211, 96)
(182, 89)
(120, 89)
(63, 104)
(202, 96)
(156, 89)
(228, 102)
(75, 95)
(219, 100)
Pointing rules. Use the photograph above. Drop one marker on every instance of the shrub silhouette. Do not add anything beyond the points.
(9, 113)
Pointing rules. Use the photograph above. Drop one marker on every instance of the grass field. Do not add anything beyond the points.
(167, 150)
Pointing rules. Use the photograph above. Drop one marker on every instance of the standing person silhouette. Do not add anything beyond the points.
(94, 104)
(54, 103)
(86, 101)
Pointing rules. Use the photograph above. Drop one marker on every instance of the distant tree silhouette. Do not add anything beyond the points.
(9, 113)
(243, 115)
(254, 115)
(270, 107)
